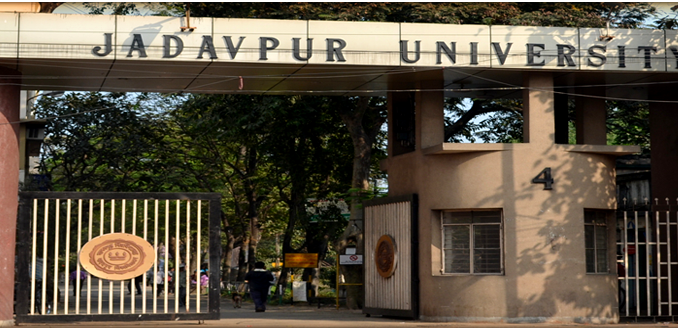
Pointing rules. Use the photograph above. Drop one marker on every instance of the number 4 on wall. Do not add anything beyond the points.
(544, 177)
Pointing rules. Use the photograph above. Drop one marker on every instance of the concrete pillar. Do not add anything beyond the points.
(9, 187)
(429, 114)
(538, 108)
(664, 143)
(590, 116)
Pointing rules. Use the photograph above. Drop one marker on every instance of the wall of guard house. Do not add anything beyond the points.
(553, 250)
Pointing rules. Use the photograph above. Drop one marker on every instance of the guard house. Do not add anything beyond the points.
(503, 227)
(518, 232)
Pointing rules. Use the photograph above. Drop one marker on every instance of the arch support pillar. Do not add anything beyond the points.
(430, 117)
(538, 108)
(10, 88)
(591, 113)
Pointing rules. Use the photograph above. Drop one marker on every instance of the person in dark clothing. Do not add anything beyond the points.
(259, 281)
(74, 280)
(182, 286)
(137, 284)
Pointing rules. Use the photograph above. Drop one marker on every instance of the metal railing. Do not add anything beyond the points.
(54, 226)
(646, 258)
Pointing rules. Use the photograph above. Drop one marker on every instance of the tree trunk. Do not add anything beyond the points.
(48, 7)
(227, 255)
(242, 259)
(295, 207)
(362, 135)
(253, 207)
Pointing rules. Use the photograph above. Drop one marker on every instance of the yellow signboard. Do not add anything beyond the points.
(301, 260)
(117, 256)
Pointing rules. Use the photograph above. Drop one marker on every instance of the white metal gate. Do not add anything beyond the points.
(53, 226)
(647, 259)
(395, 293)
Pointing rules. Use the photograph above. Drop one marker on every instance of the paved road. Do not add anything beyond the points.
(305, 316)
(286, 316)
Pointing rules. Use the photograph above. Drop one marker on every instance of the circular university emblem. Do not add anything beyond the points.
(385, 256)
(117, 256)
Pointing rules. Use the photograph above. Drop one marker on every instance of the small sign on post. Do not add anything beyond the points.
(299, 291)
(351, 259)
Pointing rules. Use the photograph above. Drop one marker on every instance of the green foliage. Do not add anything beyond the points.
(501, 121)
(626, 15)
(628, 124)
(101, 142)
(133, 8)
(114, 8)
(328, 277)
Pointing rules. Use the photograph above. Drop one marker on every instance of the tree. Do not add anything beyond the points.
(363, 117)
(276, 148)
(668, 22)
(504, 112)
(307, 164)
(226, 133)
(100, 142)
(628, 123)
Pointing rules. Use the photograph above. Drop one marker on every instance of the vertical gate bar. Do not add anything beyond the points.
(637, 268)
(626, 261)
(122, 219)
(144, 281)
(122, 283)
(34, 253)
(442, 244)
(659, 265)
(110, 282)
(187, 262)
(157, 257)
(101, 233)
(67, 256)
(166, 249)
(133, 283)
(43, 279)
(197, 260)
(89, 238)
(55, 290)
(379, 231)
(373, 240)
(669, 263)
(648, 255)
(177, 258)
(77, 262)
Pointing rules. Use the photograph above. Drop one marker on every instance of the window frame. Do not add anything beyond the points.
(599, 221)
(471, 226)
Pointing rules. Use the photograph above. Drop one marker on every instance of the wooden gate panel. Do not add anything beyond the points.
(391, 275)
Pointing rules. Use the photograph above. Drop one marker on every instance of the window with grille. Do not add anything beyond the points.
(595, 232)
(472, 242)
